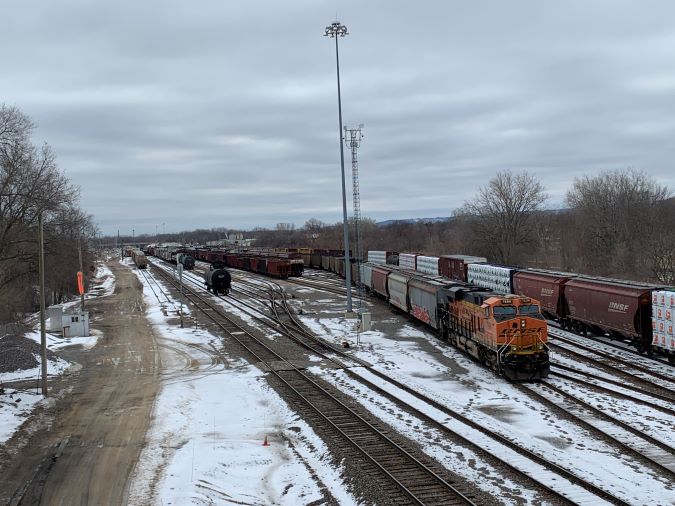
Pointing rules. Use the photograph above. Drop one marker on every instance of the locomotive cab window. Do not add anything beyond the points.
(504, 311)
(529, 309)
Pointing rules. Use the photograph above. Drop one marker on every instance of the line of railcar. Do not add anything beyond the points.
(139, 258)
(642, 314)
(507, 333)
(276, 264)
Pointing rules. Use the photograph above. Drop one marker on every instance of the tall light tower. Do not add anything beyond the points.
(353, 138)
(337, 30)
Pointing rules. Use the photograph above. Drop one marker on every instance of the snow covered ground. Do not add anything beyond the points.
(494, 403)
(205, 445)
(17, 405)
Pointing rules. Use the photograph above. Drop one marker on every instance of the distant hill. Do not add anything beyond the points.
(439, 219)
(412, 221)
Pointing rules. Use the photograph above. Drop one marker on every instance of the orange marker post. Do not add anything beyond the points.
(80, 282)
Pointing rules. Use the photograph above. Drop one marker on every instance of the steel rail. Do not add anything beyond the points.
(494, 435)
(196, 299)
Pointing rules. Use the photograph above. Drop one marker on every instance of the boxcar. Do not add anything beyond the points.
(325, 262)
(315, 260)
(548, 287)
(456, 266)
(621, 309)
(407, 261)
(377, 257)
(297, 266)
(340, 267)
(397, 287)
(367, 275)
(355, 272)
(425, 297)
(428, 265)
(278, 267)
(379, 280)
(497, 278)
(306, 259)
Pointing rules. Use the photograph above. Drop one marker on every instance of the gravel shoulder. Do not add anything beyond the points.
(99, 415)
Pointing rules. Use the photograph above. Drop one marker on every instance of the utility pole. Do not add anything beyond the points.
(337, 30)
(43, 330)
(353, 141)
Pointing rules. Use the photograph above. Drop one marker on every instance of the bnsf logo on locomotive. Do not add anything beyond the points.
(618, 307)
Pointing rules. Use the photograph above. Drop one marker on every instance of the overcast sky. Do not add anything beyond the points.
(224, 114)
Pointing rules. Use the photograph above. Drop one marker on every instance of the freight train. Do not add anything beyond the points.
(262, 261)
(277, 265)
(507, 333)
(640, 313)
(139, 258)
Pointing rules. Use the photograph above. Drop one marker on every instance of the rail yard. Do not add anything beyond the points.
(265, 392)
(253, 255)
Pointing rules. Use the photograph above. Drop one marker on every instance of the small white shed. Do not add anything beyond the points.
(55, 315)
(76, 324)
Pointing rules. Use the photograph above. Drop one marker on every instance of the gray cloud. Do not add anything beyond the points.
(225, 114)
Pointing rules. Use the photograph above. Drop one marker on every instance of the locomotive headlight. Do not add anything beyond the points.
(522, 324)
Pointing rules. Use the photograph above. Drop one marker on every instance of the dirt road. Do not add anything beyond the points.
(98, 428)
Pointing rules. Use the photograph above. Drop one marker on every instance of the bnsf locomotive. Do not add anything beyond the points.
(507, 333)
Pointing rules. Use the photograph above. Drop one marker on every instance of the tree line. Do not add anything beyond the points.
(32, 185)
(617, 223)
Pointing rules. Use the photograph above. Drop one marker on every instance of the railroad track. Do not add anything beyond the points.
(415, 481)
(595, 382)
(607, 341)
(325, 286)
(514, 457)
(654, 452)
(650, 379)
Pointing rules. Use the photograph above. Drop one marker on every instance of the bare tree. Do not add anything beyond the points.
(501, 214)
(32, 185)
(619, 216)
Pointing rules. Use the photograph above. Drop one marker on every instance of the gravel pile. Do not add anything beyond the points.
(18, 352)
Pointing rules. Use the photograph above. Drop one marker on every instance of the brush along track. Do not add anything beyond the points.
(515, 458)
(415, 482)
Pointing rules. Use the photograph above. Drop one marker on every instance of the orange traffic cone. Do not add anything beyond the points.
(265, 443)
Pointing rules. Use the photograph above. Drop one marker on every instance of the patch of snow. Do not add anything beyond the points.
(205, 444)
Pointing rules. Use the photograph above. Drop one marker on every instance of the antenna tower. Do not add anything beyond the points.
(353, 138)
